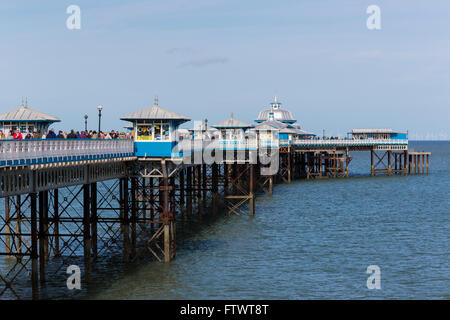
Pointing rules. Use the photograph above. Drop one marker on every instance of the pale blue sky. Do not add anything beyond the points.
(208, 58)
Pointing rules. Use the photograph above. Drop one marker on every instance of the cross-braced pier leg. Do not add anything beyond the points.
(242, 185)
(16, 231)
(382, 164)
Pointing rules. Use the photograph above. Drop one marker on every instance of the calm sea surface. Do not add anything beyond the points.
(309, 240)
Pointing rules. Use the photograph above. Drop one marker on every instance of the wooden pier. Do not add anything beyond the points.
(68, 202)
(139, 204)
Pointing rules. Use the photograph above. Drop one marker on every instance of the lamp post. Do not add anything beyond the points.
(85, 122)
(99, 108)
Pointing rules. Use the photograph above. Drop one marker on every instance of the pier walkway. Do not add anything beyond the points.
(15, 153)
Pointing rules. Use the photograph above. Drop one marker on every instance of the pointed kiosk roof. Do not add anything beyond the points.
(265, 127)
(155, 113)
(274, 124)
(23, 113)
(203, 127)
(231, 123)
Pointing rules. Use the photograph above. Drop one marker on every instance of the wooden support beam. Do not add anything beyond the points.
(18, 231)
(41, 236)
(410, 163)
(225, 178)
(166, 242)
(251, 189)
(347, 161)
(166, 214)
(56, 221)
(133, 216)
(405, 162)
(372, 168)
(145, 199)
(94, 220)
(289, 167)
(7, 228)
(87, 232)
(152, 203)
(389, 166)
(189, 194)
(204, 182)
(423, 163)
(46, 230)
(34, 248)
(215, 186)
(271, 185)
(182, 188)
(415, 163)
(125, 221)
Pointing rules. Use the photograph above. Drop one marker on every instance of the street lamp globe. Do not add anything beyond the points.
(99, 108)
(85, 122)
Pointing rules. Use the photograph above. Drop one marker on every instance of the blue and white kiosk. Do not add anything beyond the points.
(26, 120)
(154, 132)
(377, 134)
(281, 121)
(233, 134)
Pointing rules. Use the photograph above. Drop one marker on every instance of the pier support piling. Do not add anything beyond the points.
(87, 232)
(34, 247)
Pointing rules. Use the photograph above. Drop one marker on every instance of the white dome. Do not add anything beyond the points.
(279, 114)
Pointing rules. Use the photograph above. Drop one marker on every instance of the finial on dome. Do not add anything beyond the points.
(275, 104)
(156, 101)
(232, 115)
(24, 102)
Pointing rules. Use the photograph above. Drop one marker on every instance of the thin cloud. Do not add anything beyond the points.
(179, 50)
(368, 54)
(198, 63)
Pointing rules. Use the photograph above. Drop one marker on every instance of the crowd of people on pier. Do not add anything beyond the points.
(92, 134)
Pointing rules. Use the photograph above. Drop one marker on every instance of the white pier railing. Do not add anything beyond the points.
(28, 152)
(225, 144)
(349, 142)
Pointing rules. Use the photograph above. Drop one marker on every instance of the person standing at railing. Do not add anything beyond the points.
(60, 135)
(82, 135)
(71, 135)
(51, 134)
(17, 135)
(2, 135)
